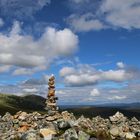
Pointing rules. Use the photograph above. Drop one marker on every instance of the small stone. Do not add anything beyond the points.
(134, 119)
(63, 124)
(50, 118)
(130, 135)
(118, 117)
(70, 134)
(45, 132)
(29, 136)
(22, 116)
(15, 121)
(114, 131)
(23, 128)
(83, 136)
(7, 117)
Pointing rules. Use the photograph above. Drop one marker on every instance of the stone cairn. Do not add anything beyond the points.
(51, 105)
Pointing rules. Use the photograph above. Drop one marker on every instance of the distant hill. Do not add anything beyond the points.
(13, 103)
(105, 112)
(122, 105)
(30, 103)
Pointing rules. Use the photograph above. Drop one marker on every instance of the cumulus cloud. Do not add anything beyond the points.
(21, 9)
(30, 90)
(121, 13)
(84, 75)
(31, 55)
(117, 75)
(105, 14)
(120, 65)
(95, 92)
(85, 23)
(80, 76)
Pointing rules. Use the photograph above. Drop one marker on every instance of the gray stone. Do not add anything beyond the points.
(83, 136)
(118, 117)
(70, 134)
(62, 124)
(29, 136)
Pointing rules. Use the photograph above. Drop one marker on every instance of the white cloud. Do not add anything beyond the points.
(84, 75)
(80, 76)
(120, 65)
(1, 22)
(66, 71)
(35, 55)
(117, 97)
(22, 71)
(85, 23)
(60, 92)
(95, 92)
(30, 90)
(104, 14)
(122, 13)
(116, 75)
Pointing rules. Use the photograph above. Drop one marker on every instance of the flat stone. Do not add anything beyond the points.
(45, 132)
(50, 118)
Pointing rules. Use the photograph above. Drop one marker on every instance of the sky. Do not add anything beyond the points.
(91, 46)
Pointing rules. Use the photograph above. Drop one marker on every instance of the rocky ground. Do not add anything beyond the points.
(64, 126)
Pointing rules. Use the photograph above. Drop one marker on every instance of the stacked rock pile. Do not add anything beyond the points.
(64, 126)
(51, 105)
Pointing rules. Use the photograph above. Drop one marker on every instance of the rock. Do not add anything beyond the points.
(0, 118)
(50, 118)
(134, 119)
(7, 117)
(114, 131)
(70, 134)
(47, 133)
(51, 113)
(69, 117)
(30, 136)
(23, 128)
(15, 121)
(62, 124)
(118, 117)
(83, 136)
(130, 135)
(22, 116)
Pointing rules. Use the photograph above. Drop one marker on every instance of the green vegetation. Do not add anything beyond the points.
(13, 103)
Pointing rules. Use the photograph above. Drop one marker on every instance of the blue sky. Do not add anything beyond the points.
(91, 46)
